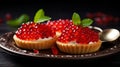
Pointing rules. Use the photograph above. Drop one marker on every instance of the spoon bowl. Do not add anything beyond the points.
(107, 35)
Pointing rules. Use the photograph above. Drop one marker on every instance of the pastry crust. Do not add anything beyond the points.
(37, 44)
(78, 48)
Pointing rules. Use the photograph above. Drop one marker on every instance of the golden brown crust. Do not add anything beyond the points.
(43, 44)
(79, 48)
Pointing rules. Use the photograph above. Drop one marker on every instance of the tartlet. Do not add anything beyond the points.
(34, 36)
(78, 40)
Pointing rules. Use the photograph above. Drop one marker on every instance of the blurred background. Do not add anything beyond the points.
(105, 13)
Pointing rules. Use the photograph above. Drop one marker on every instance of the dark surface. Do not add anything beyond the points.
(55, 9)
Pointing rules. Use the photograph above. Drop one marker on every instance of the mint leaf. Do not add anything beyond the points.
(40, 16)
(86, 22)
(42, 19)
(23, 18)
(13, 23)
(18, 21)
(76, 19)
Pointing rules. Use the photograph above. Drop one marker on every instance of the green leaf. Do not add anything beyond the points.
(40, 16)
(76, 19)
(13, 23)
(23, 18)
(45, 18)
(86, 22)
(18, 21)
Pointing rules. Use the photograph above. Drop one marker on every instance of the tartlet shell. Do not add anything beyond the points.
(42, 44)
(78, 48)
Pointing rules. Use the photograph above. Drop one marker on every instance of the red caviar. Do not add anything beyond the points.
(59, 25)
(82, 35)
(54, 50)
(34, 31)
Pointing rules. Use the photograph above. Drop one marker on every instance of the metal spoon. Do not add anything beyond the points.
(107, 35)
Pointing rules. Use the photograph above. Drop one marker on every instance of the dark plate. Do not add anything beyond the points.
(7, 43)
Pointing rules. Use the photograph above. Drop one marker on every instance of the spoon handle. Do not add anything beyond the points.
(96, 28)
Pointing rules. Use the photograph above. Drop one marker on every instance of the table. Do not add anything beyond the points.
(56, 10)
